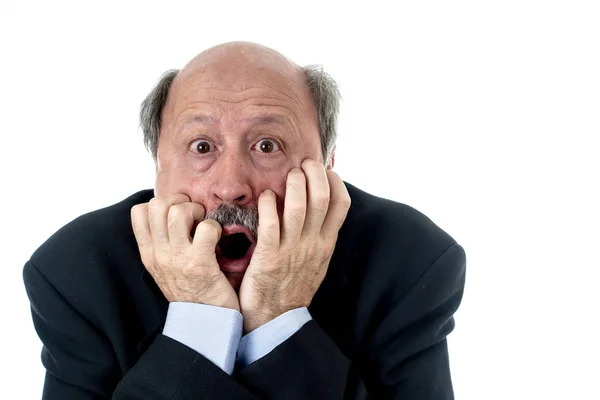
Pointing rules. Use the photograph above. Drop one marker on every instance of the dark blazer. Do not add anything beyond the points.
(380, 318)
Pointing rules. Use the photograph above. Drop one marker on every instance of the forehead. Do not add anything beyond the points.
(233, 67)
(240, 84)
(235, 88)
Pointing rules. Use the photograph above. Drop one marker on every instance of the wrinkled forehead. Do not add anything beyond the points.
(233, 83)
(235, 76)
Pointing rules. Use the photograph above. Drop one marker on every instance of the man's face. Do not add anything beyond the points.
(234, 125)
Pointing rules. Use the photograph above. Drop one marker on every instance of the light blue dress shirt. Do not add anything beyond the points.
(216, 333)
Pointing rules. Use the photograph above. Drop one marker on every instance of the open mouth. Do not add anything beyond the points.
(234, 246)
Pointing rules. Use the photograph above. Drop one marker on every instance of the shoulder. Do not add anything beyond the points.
(387, 241)
(95, 230)
(400, 223)
(86, 278)
(91, 257)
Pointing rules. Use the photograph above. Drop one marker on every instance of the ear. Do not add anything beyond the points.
(331, 159)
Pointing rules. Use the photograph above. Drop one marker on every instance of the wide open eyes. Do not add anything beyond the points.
(203, 146)
(266, 146)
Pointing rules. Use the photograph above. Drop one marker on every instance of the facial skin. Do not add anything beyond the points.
(250, 110)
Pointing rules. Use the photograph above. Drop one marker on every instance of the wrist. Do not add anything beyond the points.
(256, 319)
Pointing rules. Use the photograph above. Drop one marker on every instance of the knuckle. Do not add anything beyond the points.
(269, 225)
(190, 269)
(162, 258)
(322, 202)
(297, 208)
(345, 202)
(139, 210)
(177, 198)
(147, 259)
(177, 212)
(328, 245)
(156, 203)
(180, 255)
(178, 208)
(347, 199)
(156, 200)
(294, 186)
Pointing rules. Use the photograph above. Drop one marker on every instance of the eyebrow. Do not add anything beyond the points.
(263, 119)
(200, 119)
(266, 119)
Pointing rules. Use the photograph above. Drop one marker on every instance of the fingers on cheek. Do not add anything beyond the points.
(337, 187)
(295, 188)
(294, 210)
(266, 201)
(268, 219)
(340, 204)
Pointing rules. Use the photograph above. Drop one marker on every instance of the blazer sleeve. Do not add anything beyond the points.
(407, 355)
(308, 365)
(81, 364)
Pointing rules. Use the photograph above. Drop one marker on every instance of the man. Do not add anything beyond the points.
(251, 271)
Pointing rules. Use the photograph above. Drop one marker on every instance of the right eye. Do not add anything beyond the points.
(201, 146)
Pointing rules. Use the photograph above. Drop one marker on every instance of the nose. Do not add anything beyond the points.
(231, 180)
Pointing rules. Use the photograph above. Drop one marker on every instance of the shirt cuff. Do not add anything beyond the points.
(214, 332)
(265, 338)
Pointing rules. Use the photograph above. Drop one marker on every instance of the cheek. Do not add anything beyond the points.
(175, 178)
(275, 180)
(278, 184)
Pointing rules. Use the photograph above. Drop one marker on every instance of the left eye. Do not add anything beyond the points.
(266, 146)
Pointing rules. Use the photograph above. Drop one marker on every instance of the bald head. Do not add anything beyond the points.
(243, 67)
(239, 66)
(242, 54)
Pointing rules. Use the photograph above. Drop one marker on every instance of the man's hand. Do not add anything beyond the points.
(290, 261)
(184, 269)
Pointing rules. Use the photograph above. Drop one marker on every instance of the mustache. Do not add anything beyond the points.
(233, 214)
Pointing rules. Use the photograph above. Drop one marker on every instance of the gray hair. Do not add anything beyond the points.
(234, 214)
(324, 89)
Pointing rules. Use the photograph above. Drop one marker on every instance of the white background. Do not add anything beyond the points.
(483, 115)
